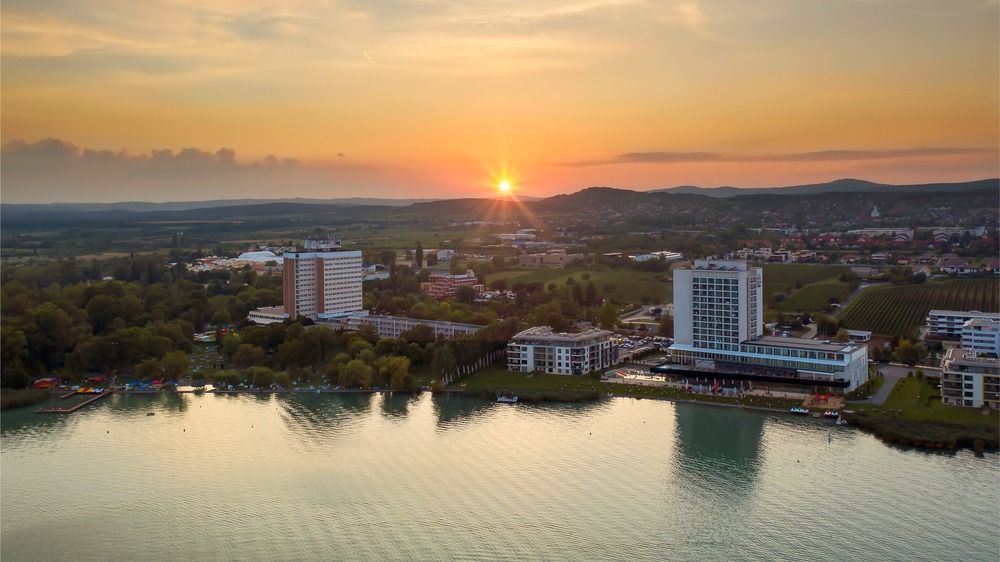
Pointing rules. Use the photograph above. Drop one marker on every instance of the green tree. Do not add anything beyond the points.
(444, 361)
(465, 294)
(248, 355)
(608, 316)
(666, 327)
(356, 374)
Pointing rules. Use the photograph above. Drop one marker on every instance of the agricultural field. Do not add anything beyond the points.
(783, 278)
(900, 310)
(815, 297)
(623, 286)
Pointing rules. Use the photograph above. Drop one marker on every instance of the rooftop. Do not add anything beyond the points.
(801, 343)
(720, 265)
(546, 332)
(975, 313)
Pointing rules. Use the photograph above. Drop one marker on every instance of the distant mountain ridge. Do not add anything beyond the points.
(144, 207)
(845, 185)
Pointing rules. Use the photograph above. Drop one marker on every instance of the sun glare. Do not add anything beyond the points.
(503, 187)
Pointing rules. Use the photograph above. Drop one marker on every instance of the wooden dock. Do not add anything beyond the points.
(72, 409)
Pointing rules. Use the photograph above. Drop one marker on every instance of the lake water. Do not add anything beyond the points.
(421, 477)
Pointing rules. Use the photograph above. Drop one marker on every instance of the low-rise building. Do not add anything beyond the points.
(968, 380)
(544, 350)
(393, 326)
(442, 285)
(553, 259)
(268, 315)
(949, 323)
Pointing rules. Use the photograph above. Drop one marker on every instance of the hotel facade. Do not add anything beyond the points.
(718, 333)
(322, 281)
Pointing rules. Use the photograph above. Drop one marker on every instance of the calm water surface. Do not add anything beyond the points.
(401, 477)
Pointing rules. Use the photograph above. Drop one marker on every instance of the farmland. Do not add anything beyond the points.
(623, 286)
(816, 297)
(900, 310)
(783, 278)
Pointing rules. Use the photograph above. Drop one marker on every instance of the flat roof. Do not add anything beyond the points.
(974, 313)
(801, 343)
(546, 332)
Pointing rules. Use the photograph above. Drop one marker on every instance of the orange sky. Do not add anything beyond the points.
(427, 99)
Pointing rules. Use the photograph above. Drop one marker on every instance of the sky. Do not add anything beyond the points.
(169, 100)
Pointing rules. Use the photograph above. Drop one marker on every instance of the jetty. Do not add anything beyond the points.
(75, 407)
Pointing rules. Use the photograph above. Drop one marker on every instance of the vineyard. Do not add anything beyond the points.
(900, 310)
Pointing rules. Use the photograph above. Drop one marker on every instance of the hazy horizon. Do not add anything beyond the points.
(172, 100)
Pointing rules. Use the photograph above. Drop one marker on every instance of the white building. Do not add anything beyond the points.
(949, 323)
(718, 327)
(321, 283)
(982, 336)
(393, 326)
(967, 380)
(543, 350)
(268, 315)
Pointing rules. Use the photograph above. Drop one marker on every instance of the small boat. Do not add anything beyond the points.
(798, 410)
(150, 413)
(506, 399)
(841, 421)
(831, 414)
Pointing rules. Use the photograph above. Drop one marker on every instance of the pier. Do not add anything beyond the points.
(75, 407)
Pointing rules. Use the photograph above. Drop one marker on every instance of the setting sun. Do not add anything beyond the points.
(503, 186)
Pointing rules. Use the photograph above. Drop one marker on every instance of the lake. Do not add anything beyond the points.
(448, 477)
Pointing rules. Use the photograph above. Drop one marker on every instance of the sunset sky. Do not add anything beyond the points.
(180, 100)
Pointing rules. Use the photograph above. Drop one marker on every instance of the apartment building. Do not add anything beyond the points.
(544, 350)
(969, 380)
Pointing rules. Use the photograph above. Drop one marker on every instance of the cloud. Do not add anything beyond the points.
(60, 168)
(816, 156)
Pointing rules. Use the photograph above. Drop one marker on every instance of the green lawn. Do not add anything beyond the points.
(912, 396)
(782, 278)
(816, 296)
(532, 386)
(624, 286)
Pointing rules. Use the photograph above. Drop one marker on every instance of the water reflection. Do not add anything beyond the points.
(451, 409)
(397, 404)
(718, 447)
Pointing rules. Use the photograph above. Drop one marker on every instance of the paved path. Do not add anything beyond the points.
(892, 374)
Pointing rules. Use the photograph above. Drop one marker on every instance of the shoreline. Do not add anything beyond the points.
(930, 435)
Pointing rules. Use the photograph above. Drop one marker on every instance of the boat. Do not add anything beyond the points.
(831, 414)
(150, 413)
(841, 421)
(799, 410)
(506, 399)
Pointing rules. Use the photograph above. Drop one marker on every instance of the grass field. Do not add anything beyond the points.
(900, 310)
(913, 414)
(783, 277)
(628, 286)
(532, 387)
(816, 296)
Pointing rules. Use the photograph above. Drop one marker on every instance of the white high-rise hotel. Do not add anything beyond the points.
(718, 330)
(322, 282)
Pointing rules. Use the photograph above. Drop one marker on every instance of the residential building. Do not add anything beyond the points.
(325, 281)
(949, 323)
(268, 315)
(661, 255)
(968, 380)
(544, 350)
(553, 259)
(894, 234)
(393, 326)
(443, 285)
(982, 335)
(718, 332)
